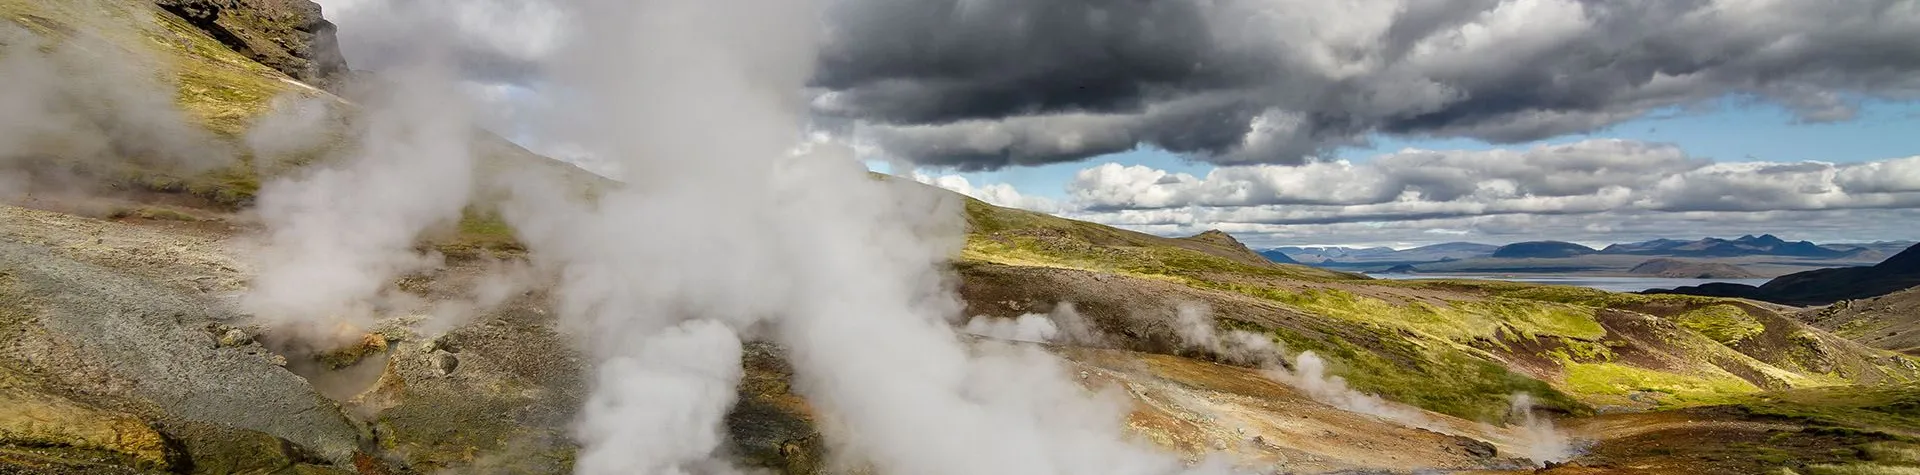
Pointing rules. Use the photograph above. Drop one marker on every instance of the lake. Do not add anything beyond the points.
(1614, 284)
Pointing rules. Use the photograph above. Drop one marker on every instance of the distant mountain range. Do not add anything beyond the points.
(1749, 245)
(1823, 286)
(1432, 253)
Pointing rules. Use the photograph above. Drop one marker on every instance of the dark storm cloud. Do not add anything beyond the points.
(980, 84)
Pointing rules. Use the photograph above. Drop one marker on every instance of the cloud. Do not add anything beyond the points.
(999, 194)
(983, 84)
(1590, 191)
(1584, 177)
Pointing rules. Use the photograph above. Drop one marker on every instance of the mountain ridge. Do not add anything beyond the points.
(1823, 286)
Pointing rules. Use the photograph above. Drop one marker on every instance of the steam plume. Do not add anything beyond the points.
(339, 233)
(1063, 325)
(1194, 324)
(1541, 441)
(87, 103)
(731, 224)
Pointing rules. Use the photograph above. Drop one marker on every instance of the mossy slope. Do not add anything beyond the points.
(1455, 347)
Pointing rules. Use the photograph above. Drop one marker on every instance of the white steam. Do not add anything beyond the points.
(1063, 325)
(339, 233)
(730, 224)
(1540, 440)
(1194, 324)
(1309, 375)
(86, 103)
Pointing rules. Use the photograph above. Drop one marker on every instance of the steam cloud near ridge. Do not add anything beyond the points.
(775, 237)
(94, 105)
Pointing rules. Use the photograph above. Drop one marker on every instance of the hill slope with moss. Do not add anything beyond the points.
(1456, 347)
(116, 331)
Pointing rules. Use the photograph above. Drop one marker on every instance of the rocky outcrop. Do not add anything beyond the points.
(126, 345)
(1221, 244)
(287, 35)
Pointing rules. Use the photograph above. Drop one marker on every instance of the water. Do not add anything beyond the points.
(1612, 284)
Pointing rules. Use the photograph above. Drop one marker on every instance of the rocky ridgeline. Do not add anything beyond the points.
(287, 35)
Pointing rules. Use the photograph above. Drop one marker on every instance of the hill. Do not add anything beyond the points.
(122, 351)
(1541, 249)
(1749, 245)
(1676, 268)
(1890, 321)
(1278, 257)
(1825, 286)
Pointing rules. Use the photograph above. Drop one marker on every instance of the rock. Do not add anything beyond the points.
(1475, 447)
(32, 418)
(445, 362)
(234, 337)
(353, 353)
(287, 35)
(145, 349)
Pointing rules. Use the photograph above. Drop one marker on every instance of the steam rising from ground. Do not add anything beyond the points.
(1063, 325)
(86, 103)
(338, 234)
(1540, 439)
(1195, 326)
(731, 224)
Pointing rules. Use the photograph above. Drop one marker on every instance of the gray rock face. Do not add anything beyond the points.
(127, 342)
(288, 35)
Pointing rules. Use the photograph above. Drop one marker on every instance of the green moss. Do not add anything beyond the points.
(1442, 379)
(1893, 408)
(1723, 323)
(1577, 351)
(1861, 469)
(1613, 379)
(481, 233)
(1018, 237)
(1491, 319)
(1893, 452)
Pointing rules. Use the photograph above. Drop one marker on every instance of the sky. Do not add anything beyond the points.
(1303, 122)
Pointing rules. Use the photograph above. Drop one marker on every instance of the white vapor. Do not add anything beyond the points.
(1194, 324)
(731, 225)
(338, 234)
(1309, 375)
(1063, 325)
(1541, 441)
(85, 103)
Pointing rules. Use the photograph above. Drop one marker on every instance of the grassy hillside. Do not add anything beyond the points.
(1455, 347)
(224, 93)
(1459, 348)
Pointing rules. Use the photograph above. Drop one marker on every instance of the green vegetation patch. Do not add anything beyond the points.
(1668, 389)
(1723, 323)
(1860, 469)
(1437, 378)
(1455, 321)
(1894, 408)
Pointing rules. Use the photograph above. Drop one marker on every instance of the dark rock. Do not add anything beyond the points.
(290, 36)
